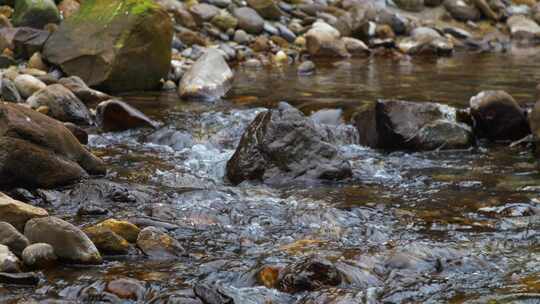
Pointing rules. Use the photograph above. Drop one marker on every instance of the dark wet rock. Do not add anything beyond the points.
(124, 229)
(9, 91)
(39, 256)
(334, 296)
(524, 29)
(308, 275)
(457, 32)
(126, 288)
(28, 85)
(403, 125)
(13, 239)
(209, 78)
(211, 295)
(106, 240)
(116, 115)
(38, 151)
(249, 20)
(286, 33)
(410, 5)
(18, 213)
(306, 68)
(486, 9)
(122, 49)
(534, 125)
(397, 23)
(283, 144)
(158, 245)
(9, 262)
(27, 41)
(322, 40)
(82, 91)
(62, 103)
(6, 61)
(268, 9)
(462, 11)
(497, 116)
(68, 241)
(203, 12)
(78, 132)
(35, 13)
(175, 139)
(27, 278)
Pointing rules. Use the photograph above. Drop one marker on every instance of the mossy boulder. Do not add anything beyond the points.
(35, 13)
(115, 45)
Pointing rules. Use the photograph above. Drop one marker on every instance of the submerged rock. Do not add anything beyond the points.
(35, 13)
(18, 213)
(497, 116)
(124, 229)
(68, 241)
(158, 245)
(116, 115)
(283, 144)
(38, 151)
(209, 78)
(117, 45)
(39, 255)
(126, 288)
(62, 103)
(403, 125)
(309, 275)
(13, 239)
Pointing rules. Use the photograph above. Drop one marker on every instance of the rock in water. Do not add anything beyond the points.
(39, 255)
(38, 151)
(210, 78)
(18, 213)
(35, 13)
(283, 144)
(116, 45)
(9, 236)
(309, 275)
(497, 116)
(68, 241)
(62, 103)
(403, 125)
(106, 240)
(116, 115)
(322, 40)
(158, 244)
(8, 261)
(82, 91)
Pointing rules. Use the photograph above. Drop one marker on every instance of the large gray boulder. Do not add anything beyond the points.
(209, 78)
(116, 45)
(282, 145)
(38, 151)
(68, 241)
(404, 125)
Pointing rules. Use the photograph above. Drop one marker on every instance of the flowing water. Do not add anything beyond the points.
(433, 227)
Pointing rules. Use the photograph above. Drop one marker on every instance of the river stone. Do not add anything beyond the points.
(9, 262)
(106, 240)
(283, 144)
(116, 45)
(13, 239)
(267, 9)
(125, 229)
(356, 47)
(322, 40)
(486, 9)
(62, 103)
(116, 115)
(203, 12)
(10, 92)
(497, 116)
(127, 288)
(38, 151)
(18, 213)
(27, 41)
(68, 241)
(28, 85)
(209, 78)
(87, 95)
(462, 11)
(35, 13)
(410, 5)
(36, 62)
(306, 68)
(158, 245)
(39, 255)
(404, 125)
(78, 132)
(249, 20)
(224, 20)
(309, 274)
(523, 28)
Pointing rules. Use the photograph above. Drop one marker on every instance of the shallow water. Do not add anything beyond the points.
(433, 227)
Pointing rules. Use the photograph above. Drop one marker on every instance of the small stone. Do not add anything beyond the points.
(13, 239)
(106, 240)
(39, 256)
(36, 62)
(62, 103)
(8, 261)
(157, 244)
(116, 115)
(9, 91)
(253, 63)
(281, 57)
(306, 68)
(126, 289)
(169, 85)
(28, 85)
(241, 37)
(249, 20)
(125, 229)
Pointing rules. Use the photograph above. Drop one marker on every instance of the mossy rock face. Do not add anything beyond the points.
(35, 13)
(115, 45)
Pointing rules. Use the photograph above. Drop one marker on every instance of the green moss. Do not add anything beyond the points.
(103, 11)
